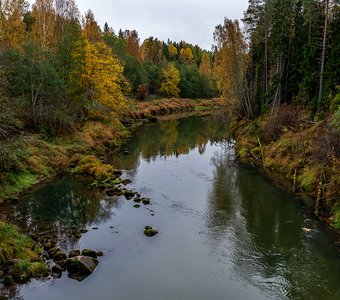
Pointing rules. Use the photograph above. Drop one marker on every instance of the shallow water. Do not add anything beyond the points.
(225, 232)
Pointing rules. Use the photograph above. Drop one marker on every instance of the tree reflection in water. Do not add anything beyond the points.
(55, 207)
(258, 226)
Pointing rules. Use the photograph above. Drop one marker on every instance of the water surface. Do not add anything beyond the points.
(225, 232)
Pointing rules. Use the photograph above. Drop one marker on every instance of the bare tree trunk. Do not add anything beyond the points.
(323, 51)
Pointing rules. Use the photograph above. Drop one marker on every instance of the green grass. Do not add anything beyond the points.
(38, 269)
(13, 244)
(16, 183)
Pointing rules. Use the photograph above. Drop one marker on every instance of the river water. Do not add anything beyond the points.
(225, 231)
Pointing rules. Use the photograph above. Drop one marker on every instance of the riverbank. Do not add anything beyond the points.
(36, 160)
(303, 153)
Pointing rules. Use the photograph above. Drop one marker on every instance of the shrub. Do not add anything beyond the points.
(284, 117)
(326, 143)
(90, 165)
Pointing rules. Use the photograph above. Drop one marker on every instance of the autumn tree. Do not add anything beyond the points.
(132, 39)
(205, 66)
(173, 52)
(170, 79)
(102, 81)
(185, 55)
(91, 29)
(230, 59)
(12, 27)
(151, 50)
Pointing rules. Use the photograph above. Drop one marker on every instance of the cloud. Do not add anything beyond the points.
(190, 20)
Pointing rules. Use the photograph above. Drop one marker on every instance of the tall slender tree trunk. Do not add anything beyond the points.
(323, 52)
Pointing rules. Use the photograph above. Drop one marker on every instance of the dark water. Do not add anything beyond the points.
(224, 231)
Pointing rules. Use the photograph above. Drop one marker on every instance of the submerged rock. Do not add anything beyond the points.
(149, 231)
(116, 191)
(89, 252)
(100, 253)
(80, 267)
(58, 256)
(74, 253)
(137, 200)
(146, 201)
(49, 245)
(52, 252)
(126, 181)
(129, 194)
(57, 269)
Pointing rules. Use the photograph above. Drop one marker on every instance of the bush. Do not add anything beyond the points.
(284, 117)
(326, 143)
(90, 165)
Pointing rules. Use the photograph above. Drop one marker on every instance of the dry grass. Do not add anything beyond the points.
(305, 153)
(166, 106)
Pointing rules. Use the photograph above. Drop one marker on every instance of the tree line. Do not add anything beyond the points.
(288, 53)
(58, 68)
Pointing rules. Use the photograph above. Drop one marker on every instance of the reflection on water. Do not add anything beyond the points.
(173, 137)
(57, 206)
(260, 228)
(225, 231)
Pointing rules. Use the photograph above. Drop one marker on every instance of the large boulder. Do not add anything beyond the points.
(80, 267)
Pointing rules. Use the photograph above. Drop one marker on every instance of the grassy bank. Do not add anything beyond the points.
(33, 158)
(304, 153)
(139, 110)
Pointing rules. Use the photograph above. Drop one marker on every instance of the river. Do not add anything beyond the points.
(225, 231)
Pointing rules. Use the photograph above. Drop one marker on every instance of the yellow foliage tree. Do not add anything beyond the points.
(12, 27)
(103, 80)
(185, 55)
(172, 51)
(170, 79)
(230, 59)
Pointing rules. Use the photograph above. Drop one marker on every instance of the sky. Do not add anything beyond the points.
(193, 21)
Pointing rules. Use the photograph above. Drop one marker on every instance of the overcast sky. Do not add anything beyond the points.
(190, 20)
